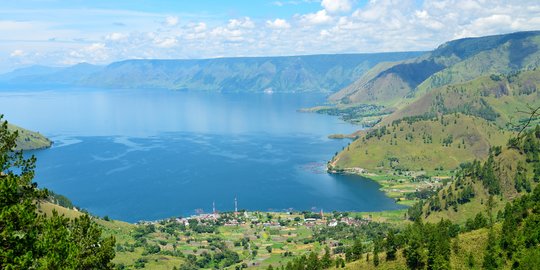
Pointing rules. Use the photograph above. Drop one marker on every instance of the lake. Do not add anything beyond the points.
(151, 154)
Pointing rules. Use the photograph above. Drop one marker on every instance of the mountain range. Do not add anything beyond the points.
(310, 73)
(396, 84)
(446, 107)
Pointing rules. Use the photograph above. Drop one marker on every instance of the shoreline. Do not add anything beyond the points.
(397, 185)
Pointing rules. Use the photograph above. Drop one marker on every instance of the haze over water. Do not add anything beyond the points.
(151, 154)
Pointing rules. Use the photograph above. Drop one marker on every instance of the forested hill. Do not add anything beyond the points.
(453, 62)
(310, 73)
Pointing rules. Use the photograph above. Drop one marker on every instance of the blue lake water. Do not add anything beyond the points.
(151, 154)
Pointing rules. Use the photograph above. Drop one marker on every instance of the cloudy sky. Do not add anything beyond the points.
(66, 32)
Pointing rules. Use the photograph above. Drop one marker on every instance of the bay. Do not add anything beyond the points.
(151, 154)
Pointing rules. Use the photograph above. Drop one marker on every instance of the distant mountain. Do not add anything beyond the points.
(311, 73)
(453, 62)
(33, 71)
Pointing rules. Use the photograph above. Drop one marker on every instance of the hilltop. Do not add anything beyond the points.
(457, 61)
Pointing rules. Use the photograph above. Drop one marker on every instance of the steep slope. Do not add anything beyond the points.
(363, 81)
(509, 173)
(497, 98)
(310, 73)
(453, 62)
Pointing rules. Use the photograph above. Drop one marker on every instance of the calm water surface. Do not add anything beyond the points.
(150, 154)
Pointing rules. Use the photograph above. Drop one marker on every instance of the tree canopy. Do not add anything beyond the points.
(30, 240)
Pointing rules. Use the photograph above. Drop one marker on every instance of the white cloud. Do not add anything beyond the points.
(320, 17)
(171, 21)
(96, 47)
(116, 36)
(245, 22)
(379, 25)
(17, 53)
(200, 27)
(278, 24)
(336, 6)
(166, 42)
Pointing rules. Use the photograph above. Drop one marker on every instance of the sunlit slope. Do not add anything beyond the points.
(468, 243)
(499, 98)
(513, 176)
(29, 140)
(422, 144)
(453, 62)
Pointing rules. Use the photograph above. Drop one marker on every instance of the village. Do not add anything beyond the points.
(246, 238)
(275, 220)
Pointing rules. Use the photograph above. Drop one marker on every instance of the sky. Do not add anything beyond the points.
(67, 32)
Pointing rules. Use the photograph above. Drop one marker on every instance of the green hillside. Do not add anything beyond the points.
(29, 140)
(486, 218)
(509, 173)
(453, 62)
(495, 97)
(421, 144)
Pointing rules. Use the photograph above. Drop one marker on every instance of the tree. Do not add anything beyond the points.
(376, 250)
(313, 262)
(491, 257)
(29, 240)
(326, 260)
(18, 218)
(414, 251)
(391, 246)
(438, 244)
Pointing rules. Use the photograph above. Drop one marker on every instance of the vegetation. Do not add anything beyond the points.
(33, 241)
(361, 114)
(471, 181)
(29, 140)
(421, 144)
(456, 61)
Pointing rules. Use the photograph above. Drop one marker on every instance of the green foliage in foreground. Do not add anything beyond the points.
(29, 240)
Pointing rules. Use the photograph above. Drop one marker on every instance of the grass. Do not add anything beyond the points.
(29, 140)
(47, 208)
(468, 243)
(505, 170)
(419, 146)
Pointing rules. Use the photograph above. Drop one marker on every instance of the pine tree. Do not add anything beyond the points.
(326, 260)
(491, 260)
(414, 252)
(313, 262)
(30, 240)
(391, 246)
(376, 250)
